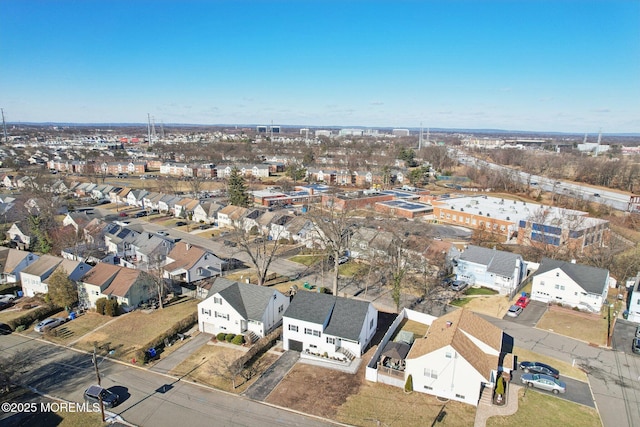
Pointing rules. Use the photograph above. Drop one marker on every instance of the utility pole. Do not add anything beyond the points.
(95, 364)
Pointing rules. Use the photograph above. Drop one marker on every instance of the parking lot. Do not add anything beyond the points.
(531, 315)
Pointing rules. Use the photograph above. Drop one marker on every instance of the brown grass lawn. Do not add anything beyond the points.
(201, 365)
(132, 331)
(379, 405)
(78, 327)
(565, 368)
(542, 410)
(493, 305)
(589, 330)
(12, 313)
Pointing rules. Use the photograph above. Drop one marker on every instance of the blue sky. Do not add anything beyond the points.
(569, 66)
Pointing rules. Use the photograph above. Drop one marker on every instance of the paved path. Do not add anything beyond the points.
(485, 411)
(272, 376)
(166, 364)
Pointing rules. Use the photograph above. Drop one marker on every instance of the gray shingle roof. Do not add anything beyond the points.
(341, 317)
(591, 279)
(249, 300)
(497, 262)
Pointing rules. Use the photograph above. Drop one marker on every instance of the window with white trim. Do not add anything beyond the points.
(293, 328)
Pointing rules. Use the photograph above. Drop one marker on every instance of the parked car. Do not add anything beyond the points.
(5, 304)
(539, 368)
(459, 285)
(514, 311)
(50, 323)
(204, 226)
(7, 297)
(163, 233)
(123, 214)
(544, 382)
(95, 392)
(638, 331)
(154, 212)
(180, 223)
(523, 301)
(141, 214)
(230, 243)
(635, 345)
(343, 259)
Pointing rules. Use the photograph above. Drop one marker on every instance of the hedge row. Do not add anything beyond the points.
(35, 315)
(232, 338)
(158, 342)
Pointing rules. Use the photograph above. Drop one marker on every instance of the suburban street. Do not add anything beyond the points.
(150, 399)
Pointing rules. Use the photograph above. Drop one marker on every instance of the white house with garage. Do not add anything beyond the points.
(568, 283)
(326, 325)
(241, 308)
(491, 268)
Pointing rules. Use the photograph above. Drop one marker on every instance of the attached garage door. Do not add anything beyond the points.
(209, 328)
(295, 345)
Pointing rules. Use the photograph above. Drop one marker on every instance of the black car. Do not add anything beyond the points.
(141, 214)
(95, 392)
(180, 223)
(539, 368)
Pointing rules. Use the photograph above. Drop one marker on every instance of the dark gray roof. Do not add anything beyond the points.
(498, 262)
(591, 279)
(341, 317)
(311, 307)
(250, 301)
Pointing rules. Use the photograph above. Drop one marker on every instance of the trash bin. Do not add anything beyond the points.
(625, 314)
(72, 315)
(152, 353)
(20, 294)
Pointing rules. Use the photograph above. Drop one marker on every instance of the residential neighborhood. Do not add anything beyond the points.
(280, 279)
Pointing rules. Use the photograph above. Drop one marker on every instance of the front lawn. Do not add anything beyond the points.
(460, 302)
(206, 366)
(307, 259)
(131, 331)
(480, 291)
(377, 404)
(9, 314)
(591, 330)
(76, 328)
(541, 410)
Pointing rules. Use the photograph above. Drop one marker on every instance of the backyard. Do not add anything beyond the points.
(133, 330)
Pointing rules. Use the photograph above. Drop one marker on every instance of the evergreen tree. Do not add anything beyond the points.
(62, 290)
(237, 189)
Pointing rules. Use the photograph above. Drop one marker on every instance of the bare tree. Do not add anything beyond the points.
(333, 229)
(260, 246)
(11, 366)
(227, 367)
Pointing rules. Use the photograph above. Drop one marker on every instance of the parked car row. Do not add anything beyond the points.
(516, 309)
(542, 376)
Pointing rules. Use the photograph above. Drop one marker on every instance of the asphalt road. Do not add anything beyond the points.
(150, 399)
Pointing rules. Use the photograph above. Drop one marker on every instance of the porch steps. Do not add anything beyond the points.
(347, 353)
(486, 396)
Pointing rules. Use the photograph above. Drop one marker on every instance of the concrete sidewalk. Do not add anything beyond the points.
(165, 365)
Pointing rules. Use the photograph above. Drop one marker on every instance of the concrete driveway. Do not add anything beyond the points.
(531, 315)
